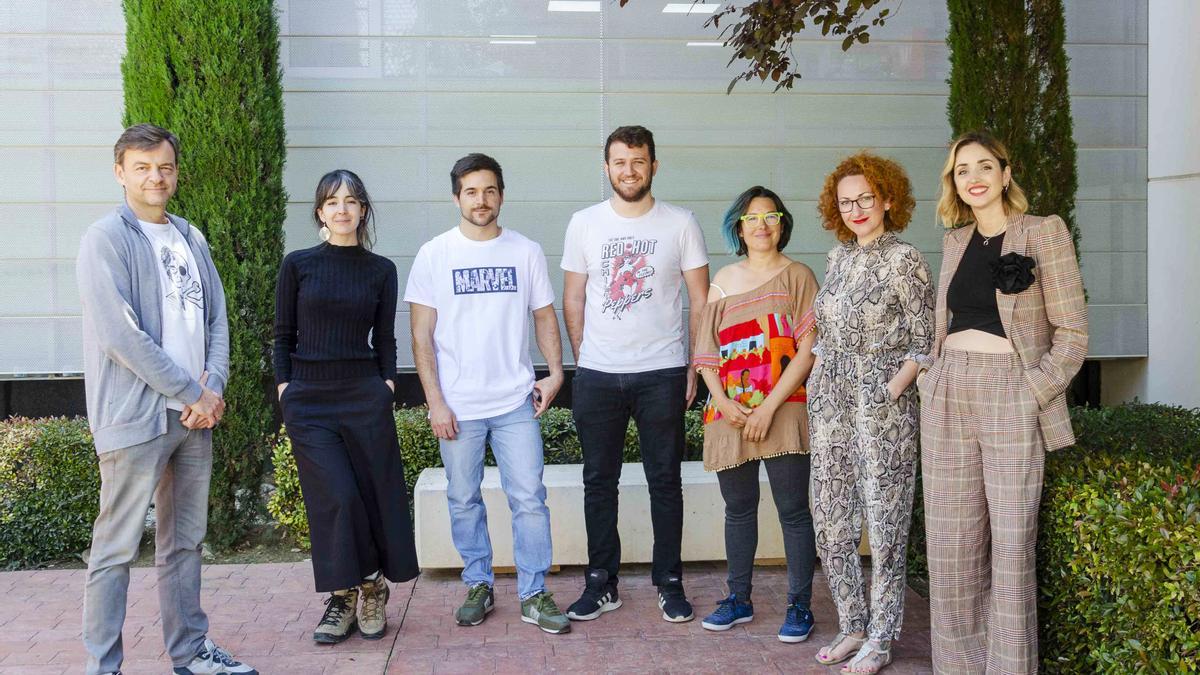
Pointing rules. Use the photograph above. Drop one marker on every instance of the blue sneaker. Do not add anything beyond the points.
(730, 612)
(797, 623)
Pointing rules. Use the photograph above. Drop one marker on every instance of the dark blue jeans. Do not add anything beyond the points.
(603, 404)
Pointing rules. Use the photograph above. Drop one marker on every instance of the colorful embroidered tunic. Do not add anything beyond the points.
(749, 339)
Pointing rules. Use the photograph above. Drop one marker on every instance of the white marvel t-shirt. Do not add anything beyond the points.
(182, 300)
(633, 316)
(483, 292)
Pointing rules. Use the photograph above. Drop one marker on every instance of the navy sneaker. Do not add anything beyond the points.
(797, 623)
(673, 603)
(730, 612)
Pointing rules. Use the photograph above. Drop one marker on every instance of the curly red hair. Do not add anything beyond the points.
(889, 182)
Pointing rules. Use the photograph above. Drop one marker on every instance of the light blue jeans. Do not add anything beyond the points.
(516, 441)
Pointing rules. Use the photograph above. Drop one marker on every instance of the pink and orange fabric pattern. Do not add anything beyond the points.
(754, 353)
(749, 339)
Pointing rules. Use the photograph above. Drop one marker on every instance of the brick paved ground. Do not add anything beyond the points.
(266, 613)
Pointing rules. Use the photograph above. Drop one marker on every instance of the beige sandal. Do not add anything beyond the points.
(870, 650)
(837, 642)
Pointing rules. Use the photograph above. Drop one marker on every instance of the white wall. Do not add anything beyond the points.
(398, 89)
(1172, 373)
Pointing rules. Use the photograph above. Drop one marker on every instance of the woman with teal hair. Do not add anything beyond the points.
(754, 351)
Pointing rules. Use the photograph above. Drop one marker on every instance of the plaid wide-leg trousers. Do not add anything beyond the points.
(982, 460)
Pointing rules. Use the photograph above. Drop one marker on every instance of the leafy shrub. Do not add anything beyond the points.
(918, 563)
(1118, 548)
(49, 489)
(1119, 544)
(286, 505)
(419, 447)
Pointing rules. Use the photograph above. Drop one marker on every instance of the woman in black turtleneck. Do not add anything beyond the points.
(335, 365)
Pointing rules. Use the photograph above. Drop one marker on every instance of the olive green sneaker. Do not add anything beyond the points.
(480, 601)
(540, 609)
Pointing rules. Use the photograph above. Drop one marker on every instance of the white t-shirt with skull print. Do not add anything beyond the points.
(182, 300)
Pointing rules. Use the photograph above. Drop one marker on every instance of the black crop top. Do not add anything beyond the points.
(971, 297)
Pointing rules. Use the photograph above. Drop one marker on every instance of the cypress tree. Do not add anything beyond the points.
(208, 70)
(1008, 75)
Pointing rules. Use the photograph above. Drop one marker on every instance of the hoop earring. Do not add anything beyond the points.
(324, 233)
(1005, 188)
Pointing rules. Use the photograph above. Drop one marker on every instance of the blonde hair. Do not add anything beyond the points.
(951, 209)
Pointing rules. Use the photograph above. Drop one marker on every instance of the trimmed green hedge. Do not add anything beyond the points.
(419, 447)
(1119, 544)
(49, 490)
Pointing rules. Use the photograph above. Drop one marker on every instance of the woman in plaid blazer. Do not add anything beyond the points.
(1011, 332)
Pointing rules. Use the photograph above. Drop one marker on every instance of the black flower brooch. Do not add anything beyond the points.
(1012, 273)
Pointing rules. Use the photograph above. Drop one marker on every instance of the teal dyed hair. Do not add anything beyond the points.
(732, 222)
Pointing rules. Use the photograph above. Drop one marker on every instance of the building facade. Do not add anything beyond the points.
(396, 90)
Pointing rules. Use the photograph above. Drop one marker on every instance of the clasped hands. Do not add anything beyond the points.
(754, 422)
(206, 412)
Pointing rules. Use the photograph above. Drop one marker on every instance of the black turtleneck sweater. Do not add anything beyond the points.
(335, 314)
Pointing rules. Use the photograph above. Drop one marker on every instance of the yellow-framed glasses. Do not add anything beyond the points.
(772, 219)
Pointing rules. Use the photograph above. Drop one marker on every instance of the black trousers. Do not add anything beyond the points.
(603, 404)
(788, 475)
(352, 476)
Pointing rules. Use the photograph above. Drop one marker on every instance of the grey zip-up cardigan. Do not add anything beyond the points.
(128, 377)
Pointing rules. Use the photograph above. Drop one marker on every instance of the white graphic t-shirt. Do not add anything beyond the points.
(182, 300)
(483, 292)
(633, 316)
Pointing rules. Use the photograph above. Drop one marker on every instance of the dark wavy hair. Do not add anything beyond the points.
(329, 184)
(732, 222)
(476, 161)
(632, 136)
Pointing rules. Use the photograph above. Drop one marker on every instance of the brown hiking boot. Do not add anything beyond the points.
(372, 614)
(339, 621)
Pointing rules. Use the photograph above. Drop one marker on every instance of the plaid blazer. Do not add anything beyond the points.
(1046, 323)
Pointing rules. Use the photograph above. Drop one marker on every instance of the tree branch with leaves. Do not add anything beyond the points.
(762, 32)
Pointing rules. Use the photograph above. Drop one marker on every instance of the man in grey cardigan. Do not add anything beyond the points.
(156, 356)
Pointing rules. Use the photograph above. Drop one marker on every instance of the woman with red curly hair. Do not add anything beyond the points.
(874, 327)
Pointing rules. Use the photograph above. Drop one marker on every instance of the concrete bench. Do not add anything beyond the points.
(703, 517)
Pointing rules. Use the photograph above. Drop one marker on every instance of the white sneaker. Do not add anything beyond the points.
(212, 660)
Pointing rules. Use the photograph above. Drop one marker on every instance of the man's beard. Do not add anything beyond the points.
(475, 220)
(636, 196)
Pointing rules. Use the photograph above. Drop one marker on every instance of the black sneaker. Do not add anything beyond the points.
(673, 602)
(598, 597)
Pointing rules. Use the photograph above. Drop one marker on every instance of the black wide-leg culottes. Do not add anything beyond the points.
(352, 476)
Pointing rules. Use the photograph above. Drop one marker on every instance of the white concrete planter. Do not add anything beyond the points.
(703, 519)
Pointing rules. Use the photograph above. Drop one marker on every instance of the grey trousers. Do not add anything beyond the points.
(174, 469)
